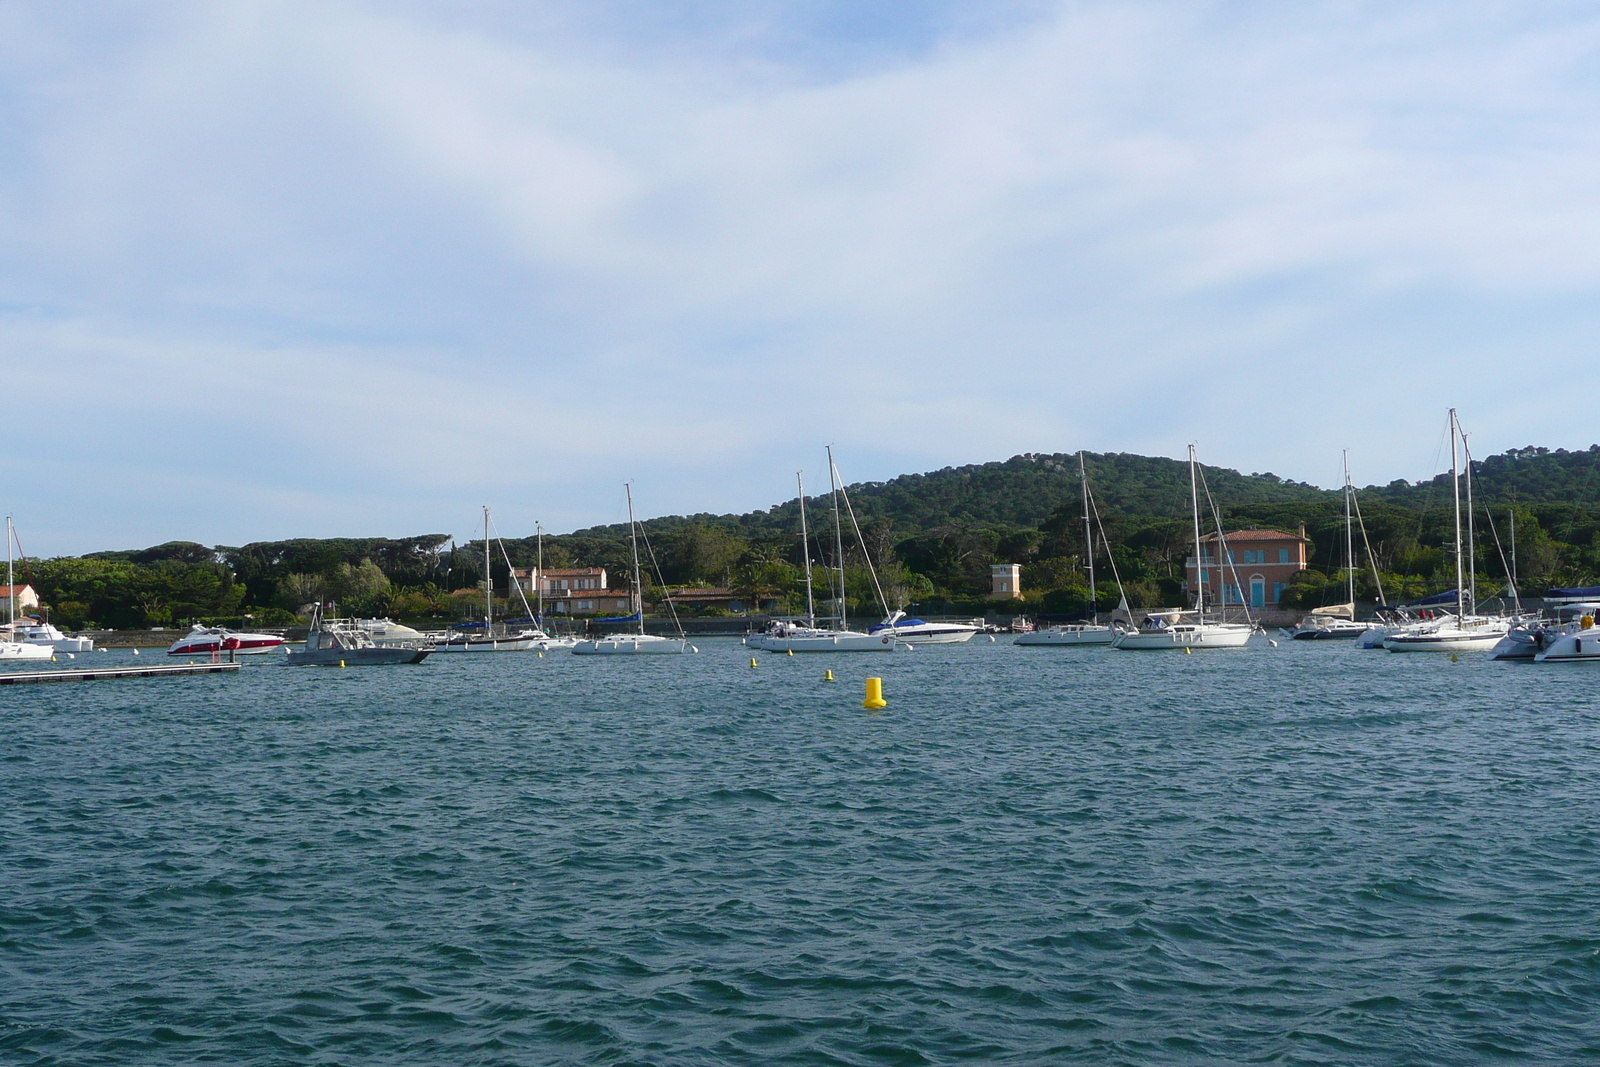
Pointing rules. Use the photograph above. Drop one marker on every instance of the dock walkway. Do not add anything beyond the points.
(95, 674)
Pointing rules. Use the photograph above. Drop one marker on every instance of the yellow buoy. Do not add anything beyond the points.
(341, 663)
(874, 695)
(1187, 651)
(1454, 658)
(541, 655)
(791, 652)
(752, 661)
(828, 676)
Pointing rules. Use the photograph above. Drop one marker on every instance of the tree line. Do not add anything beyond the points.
(931, 537)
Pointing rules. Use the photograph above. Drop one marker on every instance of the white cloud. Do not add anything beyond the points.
(690, 256)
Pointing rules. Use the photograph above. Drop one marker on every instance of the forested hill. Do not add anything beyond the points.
(1022, 492)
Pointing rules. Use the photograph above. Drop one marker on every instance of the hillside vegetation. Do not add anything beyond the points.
(932, 537)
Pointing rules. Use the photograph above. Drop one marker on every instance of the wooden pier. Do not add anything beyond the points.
(95, 674)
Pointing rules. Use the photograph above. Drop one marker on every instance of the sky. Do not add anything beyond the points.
(274, 270)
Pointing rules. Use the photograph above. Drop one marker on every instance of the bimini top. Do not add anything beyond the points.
(1572, 596)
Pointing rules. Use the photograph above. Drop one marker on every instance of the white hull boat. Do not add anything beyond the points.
(1468, 635)
(917, 632)
(520, 642)
(633, 645)
(210, 640)
(1174, 630)
(11, 648)
(46, 634)
(1326, 629)
(810, 639)
(1074, 635)
(21, 650)
(1581, 645)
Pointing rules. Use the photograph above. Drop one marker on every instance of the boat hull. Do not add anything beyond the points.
(1069, 636)
(1225, 636)
(488, 644)
(933, 634)
(21, 650)
(831, 641)
(633, 645)
(237, 644)
(1582, 647)
(375, 656)
(1447, 641)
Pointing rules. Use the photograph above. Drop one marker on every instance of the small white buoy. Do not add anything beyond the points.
(991, 639)
(136, 652)
(1271, 642)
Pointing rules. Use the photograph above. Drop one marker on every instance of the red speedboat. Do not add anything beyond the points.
(205, 640)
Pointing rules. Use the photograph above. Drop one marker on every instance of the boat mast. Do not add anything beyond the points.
(633, 535)
(488, 578)
(805, 551)
(1455, 485)
(1088, 539)
(838, 532)
(1516, 594)
(1349, 540)
(538, 573)
(1472, 537)
(1199, 560)
(11, 592)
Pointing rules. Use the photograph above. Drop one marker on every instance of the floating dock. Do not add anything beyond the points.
(95, 674)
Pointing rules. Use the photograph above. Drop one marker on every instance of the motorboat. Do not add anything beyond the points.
(488, 639)
(917, 632)
(1580, 645)
(1531, 635)
(344, 642)
(387, 632)
(208, 640)
(1316, 627)
(1074, 634)
(43, 633)
(640, 643)
(1182, 629)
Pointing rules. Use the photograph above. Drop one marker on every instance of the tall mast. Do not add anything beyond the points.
(838, 533)
(1088, 538)
(538, 573)
(638, 582)
(1472, 537)
(1455, 485)
(1516, 594)
(1349, 540)
(805, 551)
(11, 592)
(488, 578)
(1199, 560)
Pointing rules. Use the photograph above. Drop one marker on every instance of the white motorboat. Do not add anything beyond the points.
(1177, 628)
(1580, 645)
(641, 643)
(917, 632)
(1182, 629)
(1531, 635)
(345, 642)
(784, 635)
(388, 633)
(1076, 634)
(10, 647)
(1326, 628)
(210, 640)
(43, 633)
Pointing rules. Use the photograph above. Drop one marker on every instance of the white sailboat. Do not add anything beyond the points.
(785, 636)
(11, 648)
(641, 643)
(489, 640)
(550, 641)
(1462, 632)
(1176, 628)
(1337, 622)
(1091, 633)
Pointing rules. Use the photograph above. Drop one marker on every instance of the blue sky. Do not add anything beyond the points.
(340, 268)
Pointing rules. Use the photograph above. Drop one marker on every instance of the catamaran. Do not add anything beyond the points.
(11, 648)
(1176, 628)
(641, 643)
(1085, 634)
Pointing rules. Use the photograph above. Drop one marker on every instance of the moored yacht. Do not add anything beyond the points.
(43, 633)
(1091, 633)
(641, 643)
(917, 632)
(344, 642)
(10, 647)
(208, 640)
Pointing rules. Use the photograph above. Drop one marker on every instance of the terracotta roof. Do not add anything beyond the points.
(15, 590)
(1255, 535)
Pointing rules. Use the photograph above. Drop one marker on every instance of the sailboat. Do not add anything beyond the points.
(1337, 622)
(11, 648)
(489, 640)
(550, 641)
(641, 643)
(1461, 632)
(1176, 628)
(790, 636)
(1084, 634)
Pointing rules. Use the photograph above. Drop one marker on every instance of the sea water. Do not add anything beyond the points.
(1294, 855)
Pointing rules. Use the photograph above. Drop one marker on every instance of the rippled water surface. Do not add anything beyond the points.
(1283, 855)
